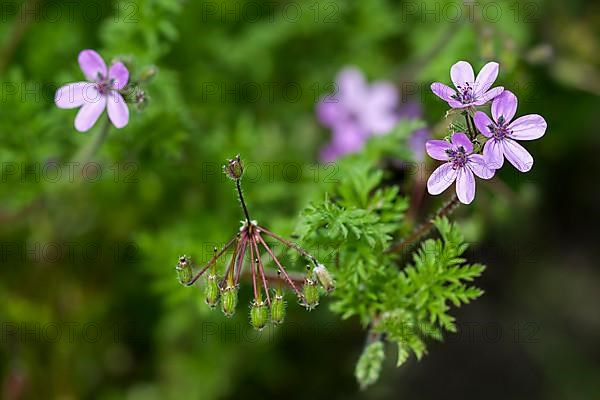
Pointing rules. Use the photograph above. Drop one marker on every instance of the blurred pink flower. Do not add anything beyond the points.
(99, 92)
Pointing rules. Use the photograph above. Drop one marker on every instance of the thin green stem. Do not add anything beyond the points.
(86, 153)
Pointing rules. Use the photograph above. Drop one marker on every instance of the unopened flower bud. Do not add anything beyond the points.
(212, 290)
(259, 315)
(310, 292)
(324, 277)
(277, 309)
(148, 73)
(184, 270)
(229, 300)
(234, 168)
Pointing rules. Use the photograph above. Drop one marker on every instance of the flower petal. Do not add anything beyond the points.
(462, 73)
(441, 178)
(465, 185)
(119, 72)
(71, 95)
(493, 153)
(486, 77)
(482, 122)
(330, 111)
(517, 155)
(528, 127)
(117, 110)
(89, 114)
(351, 88)
(437, 149)
(480, 166)
(489, 95)
(460, 139)
(442, 91)
(504, 105)
(92, 65)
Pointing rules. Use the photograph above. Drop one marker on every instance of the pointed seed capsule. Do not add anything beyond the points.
(278, 309)
(229, 300)
(324, 277)
(212, 291)
(311, 294)
(259, 315)
(184, 270)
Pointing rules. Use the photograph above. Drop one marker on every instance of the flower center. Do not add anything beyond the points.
(500, 130)
(104, 85)
(465, 94)
(458, 157)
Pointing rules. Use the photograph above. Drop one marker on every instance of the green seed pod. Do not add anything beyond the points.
(324, 277)
(212, 290)
(229, 300)
(311, 294)
(184, 270)
(259, 315)
(278, 309)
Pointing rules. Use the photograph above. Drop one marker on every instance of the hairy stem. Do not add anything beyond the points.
(238, 185)
(289, 244)
(283, 271)
(213, 260)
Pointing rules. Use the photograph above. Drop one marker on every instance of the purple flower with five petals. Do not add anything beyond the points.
(100, 92)
(470, 91)
(460, 165)
(502, 133)
(355, 112)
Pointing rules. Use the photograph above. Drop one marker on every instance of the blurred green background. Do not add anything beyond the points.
(89, 303)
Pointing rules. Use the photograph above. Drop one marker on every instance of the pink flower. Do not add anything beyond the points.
(471, 91)
(502, 133)
(99, 92)
(460, 166)
(357, 111)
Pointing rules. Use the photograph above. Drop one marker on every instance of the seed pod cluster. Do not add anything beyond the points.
(212, 290)
(229, 299)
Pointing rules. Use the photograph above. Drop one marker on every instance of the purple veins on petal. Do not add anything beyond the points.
(465, 185)
(441, 178)
(528, 127)
(460, 139)
(470, 91)
(505, 105)
(517, 155)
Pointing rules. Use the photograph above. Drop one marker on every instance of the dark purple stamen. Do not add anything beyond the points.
(465, 94)
(500, 130)
(458, 157)
(104, 84)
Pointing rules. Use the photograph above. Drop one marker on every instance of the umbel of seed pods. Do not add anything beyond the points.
(268, 302)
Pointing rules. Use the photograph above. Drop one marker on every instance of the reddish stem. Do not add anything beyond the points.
(213, 260)
(288, 243)
(261, 270)
(287, 278)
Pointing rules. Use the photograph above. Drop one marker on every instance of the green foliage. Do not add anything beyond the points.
(369, 364)
(358, 220)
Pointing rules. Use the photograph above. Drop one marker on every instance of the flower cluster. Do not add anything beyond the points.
(462, 161)
(249, 240)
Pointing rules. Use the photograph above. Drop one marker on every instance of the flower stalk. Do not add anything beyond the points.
(249, 241)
